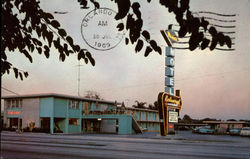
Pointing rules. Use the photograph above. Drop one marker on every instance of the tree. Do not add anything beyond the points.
(140, 104)
(123, 105)
(93, 95)
(187, 119)
(27, 28)
(153, 107)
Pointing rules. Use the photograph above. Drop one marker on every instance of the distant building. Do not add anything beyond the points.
(223, 127)
(54, 113)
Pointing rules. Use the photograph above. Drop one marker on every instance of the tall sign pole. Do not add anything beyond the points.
(169, 104)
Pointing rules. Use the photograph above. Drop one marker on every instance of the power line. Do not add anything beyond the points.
(184, 79)
(10, 91)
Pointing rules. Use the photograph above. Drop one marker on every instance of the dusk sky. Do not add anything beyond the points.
(213, 84)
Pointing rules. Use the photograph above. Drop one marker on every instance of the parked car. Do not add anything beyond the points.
(245, 131)
(234, 131)
(196, 129)
(206, 130)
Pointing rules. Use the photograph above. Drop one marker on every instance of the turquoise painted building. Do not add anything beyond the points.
(147, 119)
(57, 113)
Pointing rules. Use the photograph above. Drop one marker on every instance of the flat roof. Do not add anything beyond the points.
(141, 109)
(58, 96)
(224, 122)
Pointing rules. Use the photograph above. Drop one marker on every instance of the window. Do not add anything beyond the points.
(73, 121)
(8, 103)
(21, 103)
(15, 103)
(74, 104)
(77, 104)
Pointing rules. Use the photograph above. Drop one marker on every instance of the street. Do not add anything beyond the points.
(182, 145)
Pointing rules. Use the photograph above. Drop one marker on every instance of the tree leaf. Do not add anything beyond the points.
(126, 41)
(62, 57)
(49, 16)
(55, 24)
(146, 35)
(70, 40)
(39, 49)
(139, 45)
(46, 51)
(228, 41)
(26, 74)
(76, 48)
(86, 60)
(95, 3)
(120, 26)
(204, 43)
(27, 55)
(49, 37)
(81, 55)
(62, 32)
(16, 72)
(65, 48)
(153, 44)
(31, 48)
(148, 50)
(92, 61)
(20, 75)
(123, 8)
(213, 43)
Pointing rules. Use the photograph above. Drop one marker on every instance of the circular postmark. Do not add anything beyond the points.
(99, 29)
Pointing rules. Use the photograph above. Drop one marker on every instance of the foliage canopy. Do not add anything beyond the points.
(26, 28)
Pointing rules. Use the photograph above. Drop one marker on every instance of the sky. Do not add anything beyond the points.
(214, 84)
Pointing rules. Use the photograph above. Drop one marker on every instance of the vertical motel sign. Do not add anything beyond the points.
(169, 104)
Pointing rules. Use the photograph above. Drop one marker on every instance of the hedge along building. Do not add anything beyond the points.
(68, 114)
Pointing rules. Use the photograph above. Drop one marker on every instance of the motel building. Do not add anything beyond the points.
(58, 113)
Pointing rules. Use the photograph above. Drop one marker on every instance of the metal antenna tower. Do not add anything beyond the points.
(79, 78)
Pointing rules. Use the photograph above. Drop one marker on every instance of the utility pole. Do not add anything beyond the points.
(79, 78)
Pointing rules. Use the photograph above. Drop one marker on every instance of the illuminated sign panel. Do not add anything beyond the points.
(169, 110)
(12, 112)
(169, 36)
(169, 71)
(172, 36)
(173, 117)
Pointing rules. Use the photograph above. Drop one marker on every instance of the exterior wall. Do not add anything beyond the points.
(125, 124)
(74, 128)
(6, 120)
(60, 108)
(224, 127)
(62, 112)
(47, 107)
(74, 113)
(62, 125)
(148, 120)
(124, 121)
(95, 106)
(108, 126)
(238, 125)
(31, 112)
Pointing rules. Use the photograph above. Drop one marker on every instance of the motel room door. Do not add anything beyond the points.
(86, 105)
